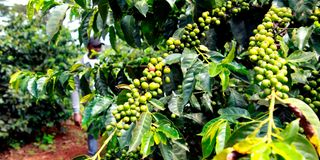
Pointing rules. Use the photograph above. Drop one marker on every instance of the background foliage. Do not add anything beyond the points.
(24, 45)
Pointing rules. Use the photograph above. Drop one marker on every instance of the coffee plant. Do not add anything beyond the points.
(24, 46)
(186, 79)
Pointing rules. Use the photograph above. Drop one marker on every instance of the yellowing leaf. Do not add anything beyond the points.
(245, 146)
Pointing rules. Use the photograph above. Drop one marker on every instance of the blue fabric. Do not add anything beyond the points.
(92, 145)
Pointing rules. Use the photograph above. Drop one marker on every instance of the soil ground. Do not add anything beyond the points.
(66, 145)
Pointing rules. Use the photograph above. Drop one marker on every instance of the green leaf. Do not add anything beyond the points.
(197, 117)
(217, 3)
(208, 140)
(173, 58)
(142, 7)
(233, 113)
(130, 30)
(188, 58)
(160, 137)
(101, 104)
(113, 38)
(205, 128)
(203, 82)
(214, 69)
(30, 9)
(290, 131)
(304, 147)
(169, 131)
(32, 87)
(156, 103)
(142, 126)
(236, 99)
(301, 56)
(302, 37)
(146, 143)
(179, 151)
(306, 111)
(286, 151)
(206, 102)
(261, 152)
(82, 3)
(175, 105)
(231, 54)
(224, 76)
(165, 152)
(241, 133)
(222, 136)
(300, 76)
(103, 8)
(171, 2)
(236, 68)
(187, 86)
(284, 47)
(194, 102)
(55, 20)
(41, 84)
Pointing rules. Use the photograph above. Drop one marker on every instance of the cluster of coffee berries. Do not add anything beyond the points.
(311, 91)
(122, 154)
(271, 70)
(193, 32)
(315, 15)
(142, 90)
(180, 10)
(279, 16)
(174, 45)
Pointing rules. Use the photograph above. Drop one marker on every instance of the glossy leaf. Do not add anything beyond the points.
(142, 126)
(203, 82)
(236, 99)
(304, 147)
(142, 7)
(247, 145)
(233, 113)
(146, 143)
(194, 102)
(169, 131)
(208, 140)
(222, 136)
(32, 87)
(156, 103)
(129, 28)
(187, 86)
(160, 137)
(165, 152)
(197, 117)
(300, 56)
(55, 20)
(206, 102)
(286, 151)
(214, 69)
(113, 38)
(241, 133)
(171, 2)
(173, 58)
(291, 131)
(231, 54)
(306, 111)
(302, 37)
(82, 3)
(261, 152)
(175, 105)
(188, 58)
(224, 76)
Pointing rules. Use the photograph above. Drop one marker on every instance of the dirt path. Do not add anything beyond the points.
(65, 147)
